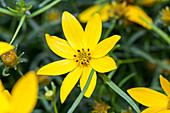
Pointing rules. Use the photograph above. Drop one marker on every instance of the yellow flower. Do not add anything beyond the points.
(23, 97)
(53, 14)
(100, 107)
(82, 53)
(166, 16)
(8, 55)
(131, 12)
(155, 101)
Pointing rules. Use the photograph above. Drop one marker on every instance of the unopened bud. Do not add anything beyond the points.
(10, 59)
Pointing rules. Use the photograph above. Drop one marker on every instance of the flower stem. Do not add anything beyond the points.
(111, 28)
(55, 107)
(44, 8)
(77, 101)
(165, 36)
(19, 71)
(18, 28)
(5, 11)
(120, 92)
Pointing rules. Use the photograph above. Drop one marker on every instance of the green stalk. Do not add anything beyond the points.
(44, 9)
(19, 71)
(110, 29)
(18, 28)
(120, 92)
(5, 11)
(158, 30)
(77, 101)
(55, 107)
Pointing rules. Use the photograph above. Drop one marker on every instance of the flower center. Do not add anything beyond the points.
(83, 57)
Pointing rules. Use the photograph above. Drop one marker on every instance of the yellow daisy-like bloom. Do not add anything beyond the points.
(82, 53)
(23, 97)
(166, 16)
(155, 101)
(109, 10)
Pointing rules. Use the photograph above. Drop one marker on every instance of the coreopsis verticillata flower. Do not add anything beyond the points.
(8, 55)
(81, 52)
(23, 97)
(155, 101)
(131, 13)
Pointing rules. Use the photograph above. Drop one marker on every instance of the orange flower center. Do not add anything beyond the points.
(83, 57)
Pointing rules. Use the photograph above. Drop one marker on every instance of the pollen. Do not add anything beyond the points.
(83, 57)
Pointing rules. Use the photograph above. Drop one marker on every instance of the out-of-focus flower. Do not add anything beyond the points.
(127, 111)
(155, 101)
(8, 55)
(53, 15)
(100, 107)
(82, 53)
(23, 97)
(133, 14)
(129, 2)
(166, 16)
(117, 9)
(105, 13)
(42, 79)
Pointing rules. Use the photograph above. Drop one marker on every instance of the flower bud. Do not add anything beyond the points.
(10, 59)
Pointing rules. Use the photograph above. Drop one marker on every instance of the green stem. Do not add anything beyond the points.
(158, 30)
(18, 28)
(19, 71)
(120, 92)
(122, 82)
(111, 28)
(77, 101)
(44, 9)
(55, 107)
(5, 11)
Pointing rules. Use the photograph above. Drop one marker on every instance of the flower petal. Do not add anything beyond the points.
(69, 82)
(58, 67)
(155, 109)
(93, 32)
(60, 47)
(165, 85)
(1, 86)
(25, 93)
(103, 64)
(148, 97)
(105, 13)
(105, 46)
(134, 13)
(84, 78)
(4, 103)
(73, 31)
(5, 47)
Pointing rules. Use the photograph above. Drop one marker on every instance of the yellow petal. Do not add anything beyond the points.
(7, 94)
(60, 47)
(5, 47)
(25, 93)
(103, 64)
(93, 32)
(69, 82)
(164, 111)
(4, 103)
(1, 86)
(73, 31)
(84, 78)
(105, 46)
(155, 109)
(148, 97)
(105, 13)
(58, 67)
(165, 85)
(134, 13)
